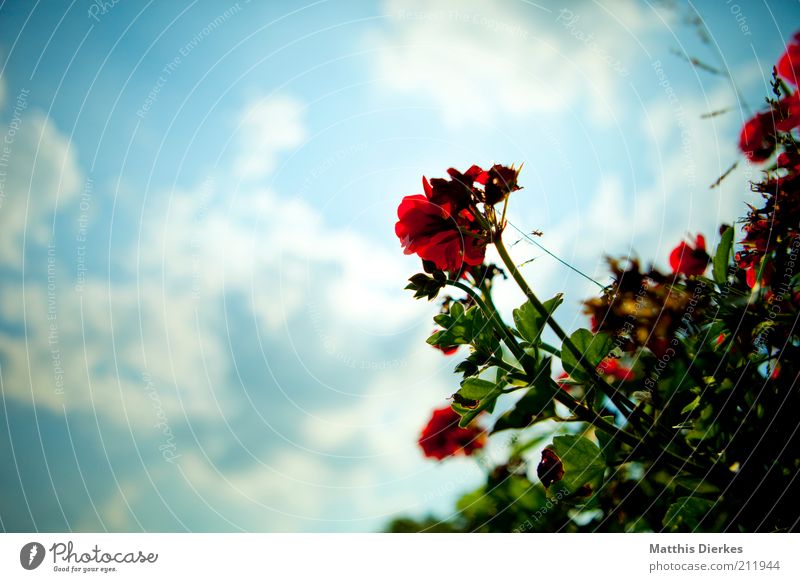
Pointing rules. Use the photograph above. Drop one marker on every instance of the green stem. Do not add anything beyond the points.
(619, 400)
(523, 358)
(492, 314)
(550, 349)
(586, 414)
(556, 257)
(638, 418)
(583, 412)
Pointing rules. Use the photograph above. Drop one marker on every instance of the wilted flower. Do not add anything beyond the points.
(643, 309)
(499, 181)
(550, 469)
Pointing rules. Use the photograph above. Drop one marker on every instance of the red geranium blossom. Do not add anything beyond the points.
(756, 244)
(690, 261)
(442, 437)
(612, 367)
(789, 64)
(757, 139)
(439, 228)
(789, 161)
(458, 191)
(787, 113)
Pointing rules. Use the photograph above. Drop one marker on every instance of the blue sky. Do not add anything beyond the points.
(203, 324)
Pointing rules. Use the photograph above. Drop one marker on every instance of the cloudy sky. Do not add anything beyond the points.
(202, 323)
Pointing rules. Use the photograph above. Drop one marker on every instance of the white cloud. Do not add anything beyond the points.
(268, 128)
(94, 350)
(279, 253)
(42, 177)
(201, 246)
(477, 60)
(65, 348)
(682, 156)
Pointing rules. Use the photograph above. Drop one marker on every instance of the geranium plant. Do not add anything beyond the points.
(679, 401)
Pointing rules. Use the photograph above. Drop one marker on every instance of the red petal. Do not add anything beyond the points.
(700, 242)
(676, 256)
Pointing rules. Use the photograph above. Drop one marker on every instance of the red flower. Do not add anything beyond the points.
(565, 382)
(789, 161)
(787, 113)
(690, 261)
(789, 64)
(439, 228)
(612, 367)
(442, 437)
(452, 195)
(757, 139)
(751, 262)
(756, 244)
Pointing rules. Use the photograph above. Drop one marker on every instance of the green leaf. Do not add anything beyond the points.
(535, 406)
(468, 367)
(475, 396)
(465, 327)
(442, 318)
(712, 333)
(723, 256)
(476, 389)
(691, 406)
(481, 332)
(606, 440)
(426, 285)
(686, 514)
(593, 349)
(468, 414)
(694, 485)
(583, 464)
(530, 323)
(456, 311)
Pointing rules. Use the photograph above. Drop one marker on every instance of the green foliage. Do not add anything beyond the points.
(530, 323)
(460, 327)
(510, 502)
(687, 514)
(476, 396)
(592, 348)
(583, 464)
(427, 285)
(722, 257)
(536, 404)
